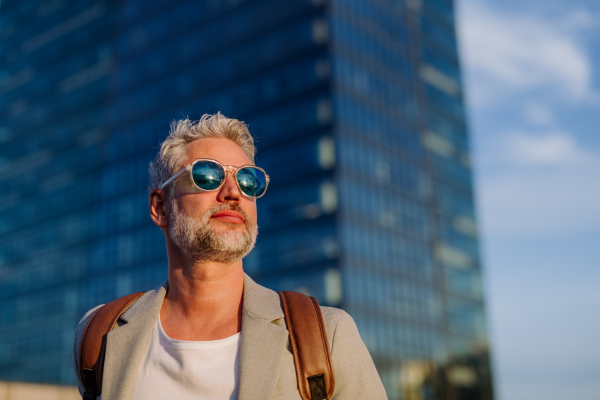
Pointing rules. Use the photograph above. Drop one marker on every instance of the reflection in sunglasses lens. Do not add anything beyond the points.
(253, 181)
(207, 175)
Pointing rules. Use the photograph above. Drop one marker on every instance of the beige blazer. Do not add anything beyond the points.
(266, 363)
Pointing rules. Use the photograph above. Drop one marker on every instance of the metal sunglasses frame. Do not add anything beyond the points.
(226, 169)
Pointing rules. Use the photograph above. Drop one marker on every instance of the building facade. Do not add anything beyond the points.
(357, 111)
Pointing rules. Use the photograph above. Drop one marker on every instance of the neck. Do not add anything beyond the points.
(204, 299)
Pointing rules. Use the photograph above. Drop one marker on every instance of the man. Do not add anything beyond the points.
(210, 332)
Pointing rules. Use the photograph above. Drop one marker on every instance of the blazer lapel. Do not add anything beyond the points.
(262, 342)
(127, 345)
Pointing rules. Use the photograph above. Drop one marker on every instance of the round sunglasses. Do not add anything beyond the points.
(208, 175)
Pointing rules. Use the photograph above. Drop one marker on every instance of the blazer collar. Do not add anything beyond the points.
(149, 303)
(261, 302)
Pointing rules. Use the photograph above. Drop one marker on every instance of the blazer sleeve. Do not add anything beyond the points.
(355, 374)
(78, 334)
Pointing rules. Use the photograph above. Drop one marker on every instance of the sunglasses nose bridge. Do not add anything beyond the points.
(231, 169)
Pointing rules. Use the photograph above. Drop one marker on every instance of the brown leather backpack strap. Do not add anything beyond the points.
(93, 343)
(314, 369)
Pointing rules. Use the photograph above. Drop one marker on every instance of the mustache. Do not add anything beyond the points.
(231, 207)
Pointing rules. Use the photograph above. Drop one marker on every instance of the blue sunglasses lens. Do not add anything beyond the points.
(207, 175)
(253, 181)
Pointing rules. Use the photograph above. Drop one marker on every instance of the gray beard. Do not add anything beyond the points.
(201, 243)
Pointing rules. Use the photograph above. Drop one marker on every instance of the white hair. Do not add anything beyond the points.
(183, 132)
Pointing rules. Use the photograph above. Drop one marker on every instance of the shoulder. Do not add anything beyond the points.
(340, 328)
(355, 373)
(82, 324)
(333, 314)
(332, 317)
(149, 302)
(77, 342)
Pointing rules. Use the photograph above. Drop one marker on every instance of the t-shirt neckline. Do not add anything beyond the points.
(195, 344)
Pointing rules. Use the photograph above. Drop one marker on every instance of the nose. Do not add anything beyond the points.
(229, 191)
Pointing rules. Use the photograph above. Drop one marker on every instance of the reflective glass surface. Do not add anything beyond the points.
(207, 175)
(253, 181)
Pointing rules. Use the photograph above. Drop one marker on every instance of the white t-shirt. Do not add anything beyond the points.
(183, 369)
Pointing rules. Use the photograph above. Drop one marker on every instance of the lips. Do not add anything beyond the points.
(229, 216)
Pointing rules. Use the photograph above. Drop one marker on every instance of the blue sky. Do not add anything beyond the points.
(531, 72)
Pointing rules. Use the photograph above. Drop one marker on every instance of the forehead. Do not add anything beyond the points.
(223, 150)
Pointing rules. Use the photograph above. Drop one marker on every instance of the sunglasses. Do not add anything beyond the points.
(208, 175)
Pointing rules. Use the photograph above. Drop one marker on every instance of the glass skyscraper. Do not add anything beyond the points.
(357, 111)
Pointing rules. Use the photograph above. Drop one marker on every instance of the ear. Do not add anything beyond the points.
(159, 208)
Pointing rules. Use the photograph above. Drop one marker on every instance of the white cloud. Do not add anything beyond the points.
(537, 114)
(580, 18)
(550, 149)
(507, 53)
(543, 186)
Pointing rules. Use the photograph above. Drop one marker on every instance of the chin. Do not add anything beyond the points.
(224, 227)
(231, 236)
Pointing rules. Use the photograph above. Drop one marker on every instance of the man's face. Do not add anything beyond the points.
(215, 226)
